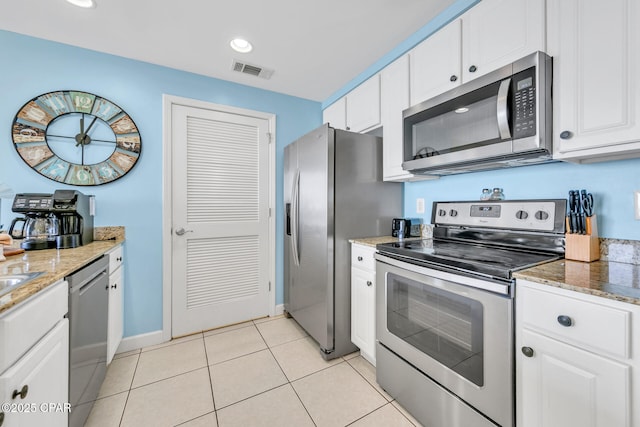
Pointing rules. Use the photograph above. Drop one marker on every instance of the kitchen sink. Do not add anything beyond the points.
(11, 282)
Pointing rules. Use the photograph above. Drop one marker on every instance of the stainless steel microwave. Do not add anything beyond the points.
(501, 119)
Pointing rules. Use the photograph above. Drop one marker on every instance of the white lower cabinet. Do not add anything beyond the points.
(34, 389)
(363, 303)
(575, 363)
(116, 295)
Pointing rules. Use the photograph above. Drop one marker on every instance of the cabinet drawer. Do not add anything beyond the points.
(589, 325)
(115, 259)
(24, 325)
(363, 257)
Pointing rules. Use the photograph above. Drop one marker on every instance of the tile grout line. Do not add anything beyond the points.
(387, 401)
(213, 397)
(129, 391)
(288, 380)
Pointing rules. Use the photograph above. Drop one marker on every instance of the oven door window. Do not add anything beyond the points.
(444, 325)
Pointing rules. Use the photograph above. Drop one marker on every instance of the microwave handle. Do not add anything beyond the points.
(502, 109)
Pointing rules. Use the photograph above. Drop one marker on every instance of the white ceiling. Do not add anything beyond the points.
(315, 47)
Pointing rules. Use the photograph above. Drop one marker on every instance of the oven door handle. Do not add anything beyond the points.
(502, 109)
(457, 279)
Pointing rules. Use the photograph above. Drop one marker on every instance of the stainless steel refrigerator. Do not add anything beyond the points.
(333, 191)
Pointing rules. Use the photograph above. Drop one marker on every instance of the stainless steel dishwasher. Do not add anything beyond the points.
(88, 314)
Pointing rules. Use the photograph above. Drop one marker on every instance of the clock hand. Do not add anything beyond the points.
(85, 135)
(82, 124)
(91, 124)
(73, 137)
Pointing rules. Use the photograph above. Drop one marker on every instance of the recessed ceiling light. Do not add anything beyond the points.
(87, 4)
(241, 45)
(461, 110)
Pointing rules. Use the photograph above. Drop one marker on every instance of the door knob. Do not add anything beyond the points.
(527, 351)
(181, 231)
(22, 393)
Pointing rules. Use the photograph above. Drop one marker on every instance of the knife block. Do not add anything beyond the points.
(583, 247)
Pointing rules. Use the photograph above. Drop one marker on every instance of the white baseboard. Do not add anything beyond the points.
(279, 309)
(157, 337)
(139, 341)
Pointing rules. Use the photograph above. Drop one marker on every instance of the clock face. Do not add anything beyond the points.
(76, 137)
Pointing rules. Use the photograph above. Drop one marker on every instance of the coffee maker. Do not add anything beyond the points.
(75, 217)
(39, 225)
(60, 220)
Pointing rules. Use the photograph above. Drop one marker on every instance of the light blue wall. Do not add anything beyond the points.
(33, 66)
(431, 27)
(612, 185)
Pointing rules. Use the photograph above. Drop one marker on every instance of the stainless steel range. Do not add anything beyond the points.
(444, 308)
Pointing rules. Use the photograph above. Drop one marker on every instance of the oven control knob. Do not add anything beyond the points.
(522, 215)
(453, 212)
(442, 212)
(542, 215)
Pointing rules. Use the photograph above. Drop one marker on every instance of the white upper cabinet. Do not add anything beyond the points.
(436, 63)
(363, 106)
(595, 46)
(498, 32)
(492, 34)
(394, 95)
(359, 110)
(336, 114)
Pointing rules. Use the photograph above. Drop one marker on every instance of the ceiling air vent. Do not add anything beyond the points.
(254, 70)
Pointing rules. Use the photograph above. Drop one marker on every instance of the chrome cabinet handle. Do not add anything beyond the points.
(359, 258)
(453, 78)
(369, 283)
(22, 393)
(565, 320)
(181, 231)
(527, 351)
(473, 69)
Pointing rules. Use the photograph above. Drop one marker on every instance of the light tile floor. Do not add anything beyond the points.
(266, 372)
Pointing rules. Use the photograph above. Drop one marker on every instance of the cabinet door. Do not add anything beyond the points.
(395, 98)
(595, 45)
(336, 114)
(115, 323)
(498, 32)
(43, 374)
(561, 385)
(363, 106)
(363, 318)
(435, 63)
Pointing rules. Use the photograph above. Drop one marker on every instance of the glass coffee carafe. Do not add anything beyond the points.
(40, 231)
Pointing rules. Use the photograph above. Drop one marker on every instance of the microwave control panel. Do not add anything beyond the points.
(524, 103)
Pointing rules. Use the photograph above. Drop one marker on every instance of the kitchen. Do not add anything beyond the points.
(124, 203)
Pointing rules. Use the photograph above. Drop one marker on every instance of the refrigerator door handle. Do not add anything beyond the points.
(294, 217)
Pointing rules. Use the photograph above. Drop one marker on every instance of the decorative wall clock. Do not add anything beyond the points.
(76, 137)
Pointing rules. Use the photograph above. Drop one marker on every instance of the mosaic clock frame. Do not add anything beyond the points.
(34, 140)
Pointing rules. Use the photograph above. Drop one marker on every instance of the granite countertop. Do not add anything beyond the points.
(55, 263)
(373, 241)
(613, 280)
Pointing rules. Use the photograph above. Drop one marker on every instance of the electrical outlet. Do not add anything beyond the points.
(420, 206)
(636, 203)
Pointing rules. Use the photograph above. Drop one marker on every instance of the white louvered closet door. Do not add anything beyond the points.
(221, 201)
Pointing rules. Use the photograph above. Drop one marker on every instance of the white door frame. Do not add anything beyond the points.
(167, 143)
